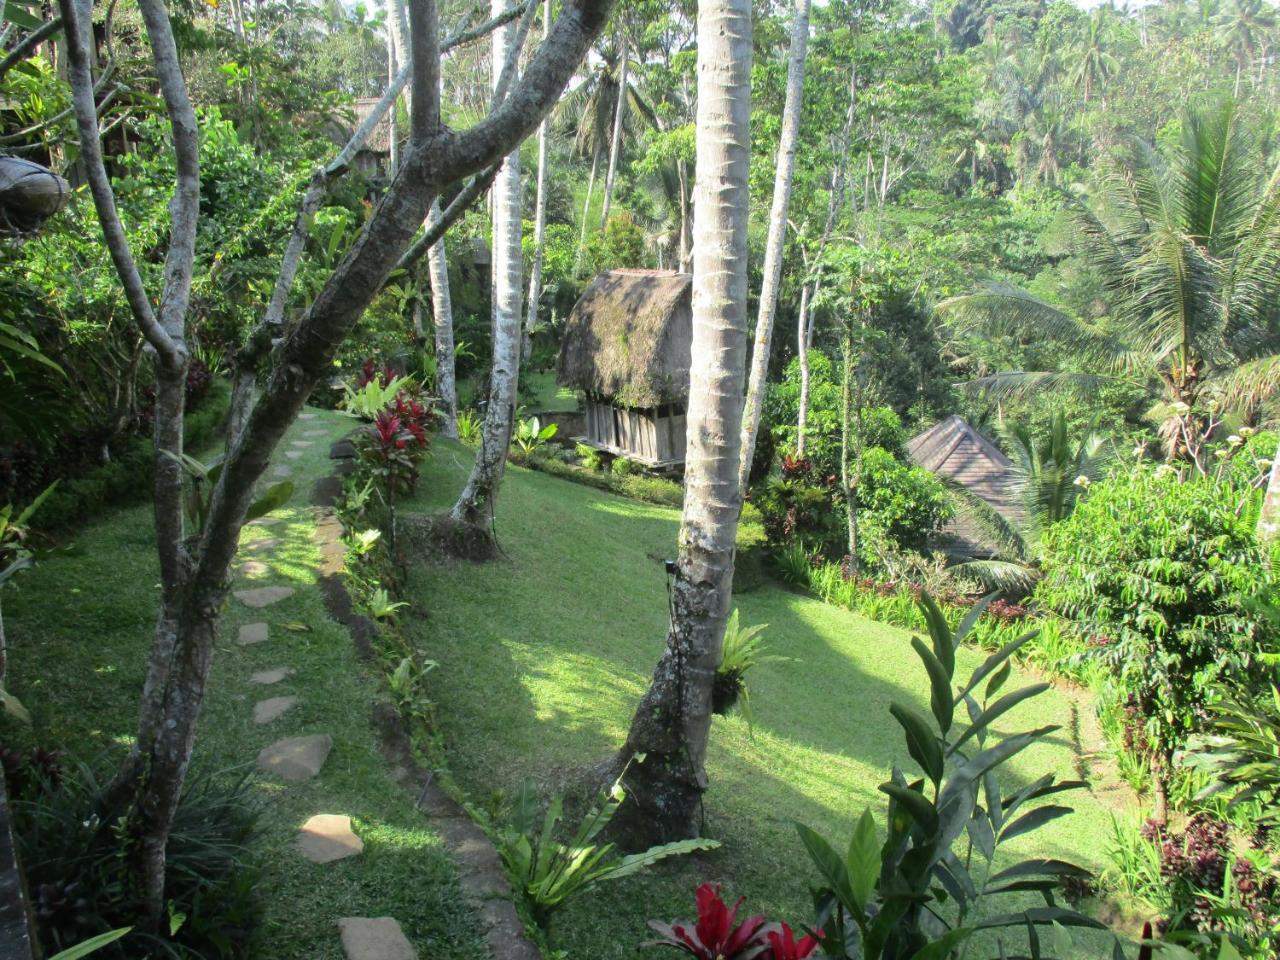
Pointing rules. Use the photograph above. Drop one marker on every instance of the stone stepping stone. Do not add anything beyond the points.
(264, 522)
(265, 711)
(281, 472)
(374, 938)
(265, 678)
(252, 633)
(266, 543)
(315, 433)
(306, 416)
(342, 450)
(254, 568)
(260, 597)
(302, 444)
(327, 837)
(296, 758)
(293, 454)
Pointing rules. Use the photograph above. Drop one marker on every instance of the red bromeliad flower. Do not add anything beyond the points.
(387, 427)
(784, 946)
(714, 936)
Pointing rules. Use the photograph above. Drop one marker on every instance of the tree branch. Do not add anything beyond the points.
(457, 207)
(424, 41)
(29, 43)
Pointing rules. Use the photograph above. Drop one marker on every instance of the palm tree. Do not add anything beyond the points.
(1094, 62)
(475, 504)
(664, 755)
(1242, 27)
(1047, 472)
(1188, 252)
(591, 109)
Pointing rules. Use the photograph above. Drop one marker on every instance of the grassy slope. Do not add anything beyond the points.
(79, 631)
(544, 655)
(538, 391)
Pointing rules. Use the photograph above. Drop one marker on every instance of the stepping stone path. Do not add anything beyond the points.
(263, 522)
(314, 433)
(282, 471)
(306, 416)
(260, 597)
(264, 711)
(267, 677)
(254, 568)
(296, 758)
(252, 633)
(302, 444)
(293, 454)
(327, 837)
(374, 938)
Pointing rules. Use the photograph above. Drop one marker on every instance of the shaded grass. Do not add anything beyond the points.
(80, 629)
(544, 654)
(538, 391)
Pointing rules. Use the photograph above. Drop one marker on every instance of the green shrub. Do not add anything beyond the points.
(623, 466)
(752, 551)
(1157, 573)
(906, 503)
(127, 478)
(589, 456)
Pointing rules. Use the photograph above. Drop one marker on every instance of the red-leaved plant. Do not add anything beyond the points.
(716, 935)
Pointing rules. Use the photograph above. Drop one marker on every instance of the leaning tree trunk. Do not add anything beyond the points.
(1269, 516)
(476, 503)
(442, 309)
(615, 142)
(783, 178)
(540, 221)
(673, 722)
(802, 351)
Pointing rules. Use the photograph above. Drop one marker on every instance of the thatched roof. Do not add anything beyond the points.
(628, 338)
(379, 140)
(955, 451)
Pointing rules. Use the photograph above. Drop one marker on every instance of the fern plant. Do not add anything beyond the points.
(743, 648)
(367, 401)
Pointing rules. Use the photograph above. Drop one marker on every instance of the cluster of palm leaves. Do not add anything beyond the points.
(1187, 249)
(1050, 472)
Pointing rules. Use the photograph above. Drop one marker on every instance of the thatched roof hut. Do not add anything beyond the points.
(379, 140)
(626, 346)
(956, 452)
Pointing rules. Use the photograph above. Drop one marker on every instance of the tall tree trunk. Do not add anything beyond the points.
(586, 210)
(673, 722)
(615, 141)
(476, 503)
(776, 242)
(686, 247)
(802, 351)
(1269, 516)
(394, 49)
(540, 221)
(442, 309)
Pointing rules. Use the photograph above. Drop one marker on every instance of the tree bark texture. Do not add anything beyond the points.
(672, 725)
(539, 223)
(615, 141)
(776, 242)
(442, 310)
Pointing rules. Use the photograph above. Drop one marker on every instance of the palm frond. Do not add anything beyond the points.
(1002, 536)
(1249, 384)
(999, 576)
(1021, 384)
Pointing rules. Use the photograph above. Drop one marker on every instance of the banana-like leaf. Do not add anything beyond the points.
(92, 945)
(277, 495)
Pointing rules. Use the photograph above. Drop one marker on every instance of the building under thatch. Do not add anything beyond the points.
(374, 154)
(955, 452)
(626, 347)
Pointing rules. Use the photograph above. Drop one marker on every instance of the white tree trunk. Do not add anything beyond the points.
(615, 142)
(783, 177)
(540, 220)
(586, 210)
(673, 722)
(686, 245)
(802, 348)
(476, 503)
(442, 310)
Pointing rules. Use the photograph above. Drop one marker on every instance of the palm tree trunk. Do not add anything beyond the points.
(540, 219)
(776, 242)
(686, 251)
(476, 503)
(442, 309)
(672, 724)
(586, 209)
(802, 350)
(615, 142)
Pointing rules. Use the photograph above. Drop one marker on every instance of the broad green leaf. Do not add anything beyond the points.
(922, 744)
(862, 864)
(276, 496)
(638, 861)
(1033, 820)
(942, 948)
(940, 685)
(91, 945)
(35, 504)
(13, 707)
(914, 802)
(829, 864)
(996, 710)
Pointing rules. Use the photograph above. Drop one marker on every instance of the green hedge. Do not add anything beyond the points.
(127, 478)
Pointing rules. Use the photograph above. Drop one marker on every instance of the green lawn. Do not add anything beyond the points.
(79, 630)
(538, 392)
(544, 654)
